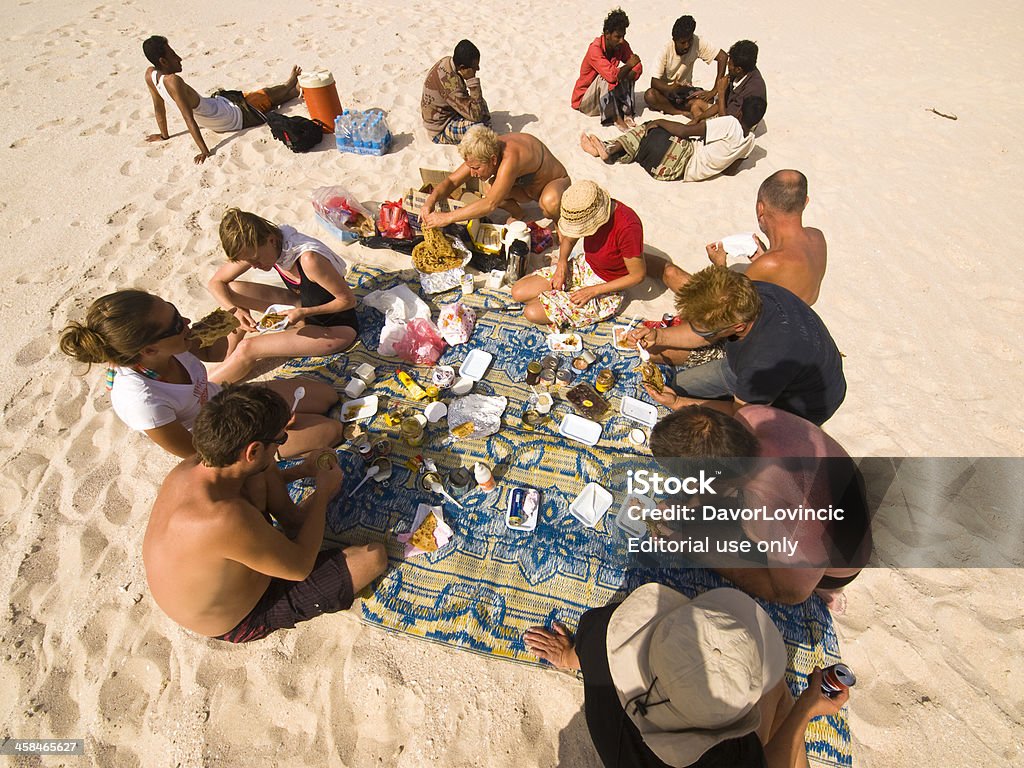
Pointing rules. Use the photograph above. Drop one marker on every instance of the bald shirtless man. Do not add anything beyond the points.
(222, 112)
(214, 562)
(523, 169)
(798, 254)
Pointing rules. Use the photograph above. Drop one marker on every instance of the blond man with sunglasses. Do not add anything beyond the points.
(777, 350)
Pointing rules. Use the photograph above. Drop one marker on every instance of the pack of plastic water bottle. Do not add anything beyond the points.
(362, 133)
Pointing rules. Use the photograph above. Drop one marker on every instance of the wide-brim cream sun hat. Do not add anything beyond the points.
(586, 207)
(690, 673)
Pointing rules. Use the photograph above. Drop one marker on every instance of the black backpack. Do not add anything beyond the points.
(299, 134)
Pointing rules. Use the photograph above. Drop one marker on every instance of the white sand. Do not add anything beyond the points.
(922, 296)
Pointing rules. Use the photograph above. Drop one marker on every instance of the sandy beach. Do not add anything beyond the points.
(921, 296)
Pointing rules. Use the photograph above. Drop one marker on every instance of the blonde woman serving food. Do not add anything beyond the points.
(323, 320)
(158, 384)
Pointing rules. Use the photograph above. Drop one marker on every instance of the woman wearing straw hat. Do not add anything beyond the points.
(586, 287)
(670, 681)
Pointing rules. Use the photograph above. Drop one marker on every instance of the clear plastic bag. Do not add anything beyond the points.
(342, 209)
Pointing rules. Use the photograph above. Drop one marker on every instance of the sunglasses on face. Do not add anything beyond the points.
(706, 334)
(279, 440)
(177, 326)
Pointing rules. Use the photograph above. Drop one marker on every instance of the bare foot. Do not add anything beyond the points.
(587, 144)
(554, 647)
(835, 600)
(593, 146)
(293, 83)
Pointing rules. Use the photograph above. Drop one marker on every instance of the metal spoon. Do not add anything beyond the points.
(300, 392)
(373, 470)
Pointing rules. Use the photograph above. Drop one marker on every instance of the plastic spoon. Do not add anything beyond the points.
(436, 487)
(373, 470)
(300, 392)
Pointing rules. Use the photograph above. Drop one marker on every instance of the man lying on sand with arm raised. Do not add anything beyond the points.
(222, 112)
(798, 255)
(214, 562)
(523, 169)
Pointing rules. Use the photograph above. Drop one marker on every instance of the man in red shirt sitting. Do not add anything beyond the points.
(607, 75)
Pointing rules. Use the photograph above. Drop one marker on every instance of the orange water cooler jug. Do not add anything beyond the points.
(321, 97)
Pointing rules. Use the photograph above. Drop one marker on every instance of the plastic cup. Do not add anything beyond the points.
(355, 388)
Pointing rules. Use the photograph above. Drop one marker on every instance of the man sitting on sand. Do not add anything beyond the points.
(674, 681)
(608, 74)
(672, 90)
(664, 148)
(222, 112)
(452, 101)
(777, 351)
(214, 562)
(745, 82)
(797, 257)
(778, 461)
(523, 169)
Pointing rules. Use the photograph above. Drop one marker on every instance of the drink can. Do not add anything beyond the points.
(547, 377)
(533, 372)
(460, 481)
(550, 362)
(836, 679)
(564, 377)
(382, 447)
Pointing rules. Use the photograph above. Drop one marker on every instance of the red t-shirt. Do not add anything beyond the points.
(597, 63)
(620, 238)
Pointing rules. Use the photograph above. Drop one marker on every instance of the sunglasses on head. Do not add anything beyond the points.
(177, 326)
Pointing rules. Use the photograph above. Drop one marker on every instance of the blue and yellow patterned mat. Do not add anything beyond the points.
(483, 590)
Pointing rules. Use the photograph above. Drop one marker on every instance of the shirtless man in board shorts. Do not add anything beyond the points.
(222, 112)
(214, 562)
(523, 169)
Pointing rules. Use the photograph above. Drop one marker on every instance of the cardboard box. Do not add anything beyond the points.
(486, 237)
(414, 199)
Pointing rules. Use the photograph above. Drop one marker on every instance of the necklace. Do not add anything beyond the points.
(149, 373)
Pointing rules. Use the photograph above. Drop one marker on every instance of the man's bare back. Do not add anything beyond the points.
(190, 577)
(796, 261)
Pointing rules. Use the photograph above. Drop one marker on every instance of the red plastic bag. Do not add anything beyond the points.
(540, 237)
(393, 221)
(422, 344)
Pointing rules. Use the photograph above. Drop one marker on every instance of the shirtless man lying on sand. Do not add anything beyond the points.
(797, 257)
(214, 562)
(523, 169)
(222, 112)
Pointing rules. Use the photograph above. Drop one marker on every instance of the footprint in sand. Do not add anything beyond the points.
(34, 351)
